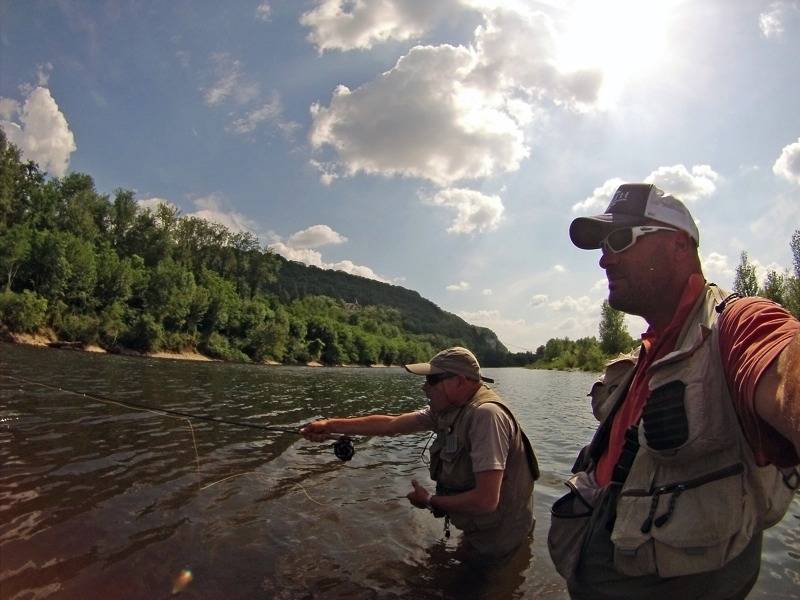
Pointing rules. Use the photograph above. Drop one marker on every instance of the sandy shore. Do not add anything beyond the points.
(45, 339)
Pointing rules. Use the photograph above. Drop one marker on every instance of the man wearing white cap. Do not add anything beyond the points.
(482, 462)
(696, 452)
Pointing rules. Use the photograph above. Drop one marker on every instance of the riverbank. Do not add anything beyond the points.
(47, 340)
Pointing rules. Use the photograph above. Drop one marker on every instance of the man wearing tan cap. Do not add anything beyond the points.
(482, 462)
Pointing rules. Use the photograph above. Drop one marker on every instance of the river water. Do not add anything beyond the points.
(102, 501)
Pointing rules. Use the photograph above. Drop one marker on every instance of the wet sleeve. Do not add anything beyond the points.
(753, 333)
(490, 438)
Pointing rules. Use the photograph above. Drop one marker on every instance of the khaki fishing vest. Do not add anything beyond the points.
(451, 468)
(694, 496)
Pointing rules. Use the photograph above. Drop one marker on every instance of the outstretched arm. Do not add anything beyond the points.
(777, 398)
(319, 431)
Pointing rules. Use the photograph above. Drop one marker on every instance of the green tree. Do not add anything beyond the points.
(791, 295)
(15, 247)
(774, 286)
(746, 282)
(614, 336)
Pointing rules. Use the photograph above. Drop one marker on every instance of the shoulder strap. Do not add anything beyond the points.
(533, 464)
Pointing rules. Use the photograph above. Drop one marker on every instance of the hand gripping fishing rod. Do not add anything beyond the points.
(342, 446)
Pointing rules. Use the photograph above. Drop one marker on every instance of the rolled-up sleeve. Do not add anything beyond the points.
(753, 333)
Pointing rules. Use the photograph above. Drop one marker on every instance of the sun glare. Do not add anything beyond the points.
(623, 38)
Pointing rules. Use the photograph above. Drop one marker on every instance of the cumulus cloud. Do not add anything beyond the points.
(154, 202)
(213, 208)
(601, 196)
(474, 210)
(688, 186)
(773, 21)
(264, 11)
(316, 236)
(489, 318)
(347, 25)
(447, 113)
(230, 82)
(539, 300)
(582, 305)
(39, 129)
(788, 163)
(461, 286)
(716, 267)
(300, 247)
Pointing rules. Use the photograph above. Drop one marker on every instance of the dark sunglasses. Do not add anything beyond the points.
(432, 380)
(620, 240)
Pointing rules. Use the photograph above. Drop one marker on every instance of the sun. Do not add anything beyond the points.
(622, 38)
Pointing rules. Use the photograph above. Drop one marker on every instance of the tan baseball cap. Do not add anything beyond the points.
(456, 360)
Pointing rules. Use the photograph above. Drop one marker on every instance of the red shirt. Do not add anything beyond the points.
(753, 332)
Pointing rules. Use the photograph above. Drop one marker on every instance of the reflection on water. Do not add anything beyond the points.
(98, 500)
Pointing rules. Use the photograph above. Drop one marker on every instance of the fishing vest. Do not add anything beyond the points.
(451, 469)
(694, 496)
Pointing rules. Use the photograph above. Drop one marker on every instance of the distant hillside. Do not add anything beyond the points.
(419, 315)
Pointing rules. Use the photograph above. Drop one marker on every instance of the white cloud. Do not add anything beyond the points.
(303, 255)
(41, 132)
(354, 269)
(299, 247)
(489, 318)
(601, 285)
(600, 198)
(582, 305)
(154, 202)
(461, 286)
(773, 21)
(263, 11)
(229, 82)
(687, 186)
(559, 269)
(716, 268)
(269, 112)
(8, 108)
(448, 113)
(315, 236)
(419, 120)
(487, 292)
(474, 210)
(539, 300)
(788, 163)
(347, 25)
(212, 208)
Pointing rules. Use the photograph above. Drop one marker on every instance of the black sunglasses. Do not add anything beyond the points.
(432, 380)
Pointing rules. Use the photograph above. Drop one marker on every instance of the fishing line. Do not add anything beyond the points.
(342, 446)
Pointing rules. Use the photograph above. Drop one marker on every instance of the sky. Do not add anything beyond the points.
(441, 146)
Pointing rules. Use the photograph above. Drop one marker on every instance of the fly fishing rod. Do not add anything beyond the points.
(342, 446)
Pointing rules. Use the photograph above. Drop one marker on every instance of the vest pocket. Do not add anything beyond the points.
(684, 527)
(569, 522)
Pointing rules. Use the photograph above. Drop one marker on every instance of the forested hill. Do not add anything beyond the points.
(418, 315)
(83, 267)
